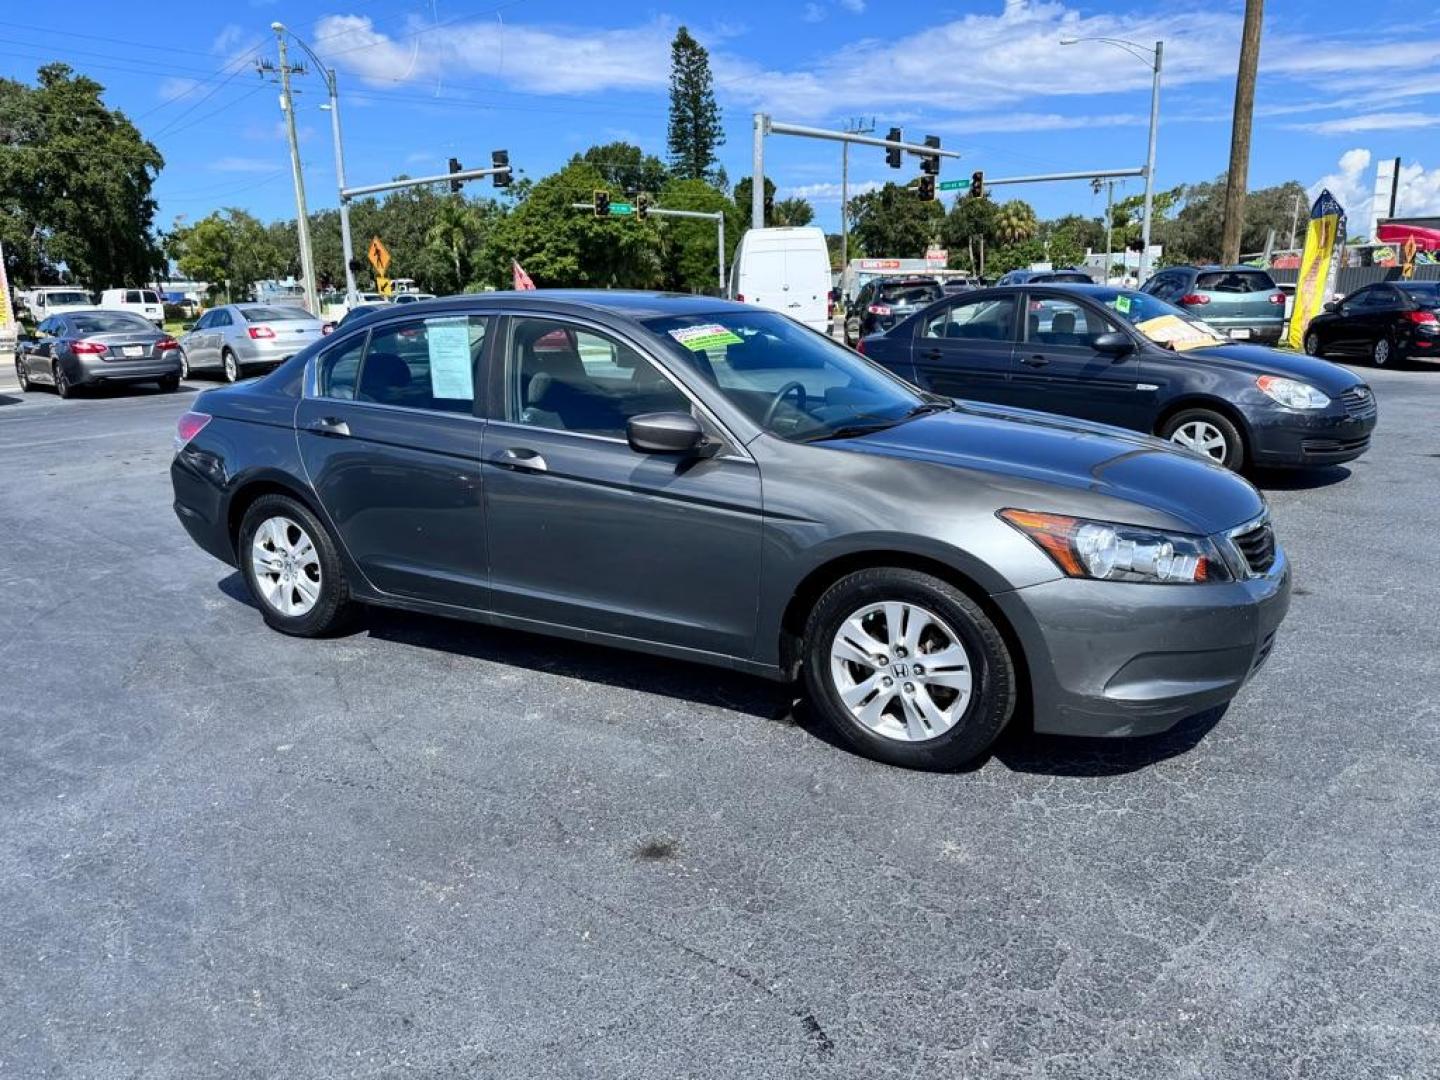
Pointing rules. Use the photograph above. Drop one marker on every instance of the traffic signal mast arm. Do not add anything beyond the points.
(443, 178)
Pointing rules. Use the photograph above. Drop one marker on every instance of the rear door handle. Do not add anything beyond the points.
(328, 425)
(521, 460)
(1034, 361)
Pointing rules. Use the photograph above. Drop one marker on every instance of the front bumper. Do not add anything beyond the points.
(1121, 659)
(1288, 437)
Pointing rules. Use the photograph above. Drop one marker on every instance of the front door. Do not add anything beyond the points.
(585, 532)
(392, 446)
(1060, 371)
(967, 349)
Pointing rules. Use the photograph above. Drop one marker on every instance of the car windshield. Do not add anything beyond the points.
(1073, 276)
(909, 292)
(1426, 293)
(1165, 324)
(273, 314)
(109, 322)
(66, 298)
(790, 380)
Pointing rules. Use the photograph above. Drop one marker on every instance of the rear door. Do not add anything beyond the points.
(1060, 371)
(1350, 334)
(966, 349)
(391, 441)
(1379, 315)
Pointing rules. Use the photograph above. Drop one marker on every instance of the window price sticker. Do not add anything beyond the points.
(705, 336)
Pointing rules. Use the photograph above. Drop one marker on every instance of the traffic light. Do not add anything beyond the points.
(930, 163)
(602, 204)
(927, 188)
(455, 185)
(497, 159)
(893, 154)
(642, 205)
(977, 184)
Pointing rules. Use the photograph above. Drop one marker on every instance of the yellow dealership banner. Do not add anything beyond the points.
(8, 330)
(1318, 265)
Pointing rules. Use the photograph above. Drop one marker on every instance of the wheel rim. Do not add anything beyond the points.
(21, 375)
(286, 566)
(901, 671)
(1382, 352)
(184, 365)
(1312, 344)
(62, 384)
(232, 372)
(1203, 438)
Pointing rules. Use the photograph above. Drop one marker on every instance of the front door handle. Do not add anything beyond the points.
(329, 425)
(1034, 361)
(521, 460)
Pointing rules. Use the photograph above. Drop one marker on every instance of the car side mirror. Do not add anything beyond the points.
(1115, 344)
(665, 433)
(187, 326)
(1331, 305)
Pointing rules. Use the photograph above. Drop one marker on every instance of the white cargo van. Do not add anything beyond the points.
(786, 270)
(143, 302)
(48, 300)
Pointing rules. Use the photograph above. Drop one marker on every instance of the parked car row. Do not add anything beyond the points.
(49, 300)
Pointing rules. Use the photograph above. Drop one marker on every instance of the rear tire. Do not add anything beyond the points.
(169, 384)
(22, 376)
(899, 713)
(184, 365)
(62, 382)
(1197, 429)
(293, 570)
(231, 366)
(1313, 346)
(1382, 352)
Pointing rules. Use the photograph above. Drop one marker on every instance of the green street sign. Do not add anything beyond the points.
(620, 209)
(953, 185)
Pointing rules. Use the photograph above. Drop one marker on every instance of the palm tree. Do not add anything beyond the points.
(451, 234)
(1015, 222)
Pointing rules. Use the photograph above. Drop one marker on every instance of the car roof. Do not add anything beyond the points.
(633, 304)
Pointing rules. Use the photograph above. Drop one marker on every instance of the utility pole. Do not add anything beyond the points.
(1294, 221)
(1240, 132)
(854, 127)
(302, 217)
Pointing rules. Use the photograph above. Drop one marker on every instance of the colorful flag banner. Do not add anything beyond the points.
(522, 279)
(1318, 264)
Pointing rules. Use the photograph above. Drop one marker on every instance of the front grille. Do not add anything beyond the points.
(1334, 446)
(1263, 653)
(1257, 548)
(1359, 402)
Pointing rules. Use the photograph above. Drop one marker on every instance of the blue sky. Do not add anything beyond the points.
(1341, 86)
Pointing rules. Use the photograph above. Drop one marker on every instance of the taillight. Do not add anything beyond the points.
(89, 348)
(261, 332)
(1188, 298)
(878, 309)
(860, 346)
(1422, 318)
(1277, 298)
(188, 426)
(167, 343)
(740, 297)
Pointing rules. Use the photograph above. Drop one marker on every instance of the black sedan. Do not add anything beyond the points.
(93, 348)
(1126, 358)
(885, 301)
(1386, 323)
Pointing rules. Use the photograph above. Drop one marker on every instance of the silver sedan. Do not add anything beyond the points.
(234, 337)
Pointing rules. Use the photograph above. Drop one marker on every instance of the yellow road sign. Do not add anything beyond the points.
(379, 256)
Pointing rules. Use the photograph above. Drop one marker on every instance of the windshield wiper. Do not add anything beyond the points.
(850, 431)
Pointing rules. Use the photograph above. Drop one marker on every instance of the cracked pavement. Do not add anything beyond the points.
(430, 849)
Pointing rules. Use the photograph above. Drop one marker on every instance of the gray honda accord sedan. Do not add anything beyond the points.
(692, 478)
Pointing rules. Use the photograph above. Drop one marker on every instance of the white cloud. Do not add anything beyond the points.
(855, 6)
(826, 192)
(1393, 121)
(966, 125)
(173, 89)
(813, 13)
(1353, 183)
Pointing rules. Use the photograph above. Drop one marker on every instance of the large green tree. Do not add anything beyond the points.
(687, 247)
(75, 183)
(1193, 234)
(625, 167)
(231, 250)
(893, 222)
(793, 211)
(695, 130)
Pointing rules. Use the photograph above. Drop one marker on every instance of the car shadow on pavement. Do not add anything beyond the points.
(6, 399)
(1019, 748)
(1298, 479)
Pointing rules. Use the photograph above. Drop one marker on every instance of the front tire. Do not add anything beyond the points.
(293, 568)
(231, 366)
(22, 376)
(1382, 352)
(908, 669)
(1313, 346)
(1208, 434)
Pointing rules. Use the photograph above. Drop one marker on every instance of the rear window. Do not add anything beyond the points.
(1235, 281)
(273, 314)
(111, 322)
(910, 292)
(1427, 295)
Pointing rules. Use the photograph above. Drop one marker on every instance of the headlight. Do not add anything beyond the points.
(1106, 551)
(1291, 393)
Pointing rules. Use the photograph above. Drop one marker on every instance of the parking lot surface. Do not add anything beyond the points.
(430, 849)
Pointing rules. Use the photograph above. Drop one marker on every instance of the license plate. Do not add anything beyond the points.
(134, 350)
(1240, 334)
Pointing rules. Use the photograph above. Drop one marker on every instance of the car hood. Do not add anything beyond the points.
(1331, 378)
(1017, 450)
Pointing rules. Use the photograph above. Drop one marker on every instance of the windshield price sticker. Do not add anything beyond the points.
(705, 336)
(1122, 304)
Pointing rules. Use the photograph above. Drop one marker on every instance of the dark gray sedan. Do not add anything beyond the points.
(96, 348)
(703, 480)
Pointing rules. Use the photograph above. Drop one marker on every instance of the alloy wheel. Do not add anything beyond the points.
(1202, 438)
(1312, 345)
(901, 671)
(286, 565)
(62, 381)
(232, 368)
(22, 375)
(1381, 354)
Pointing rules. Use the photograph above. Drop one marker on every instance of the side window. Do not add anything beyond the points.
(975, 320)
(47, 327)
(566, 378)
(205, 321)
(424, 363)
(338, 368)
(1055, 321)
(220, 317)
(1357, 301)
(132, 296)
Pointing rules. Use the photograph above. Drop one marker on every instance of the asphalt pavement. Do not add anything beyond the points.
(430, 849)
